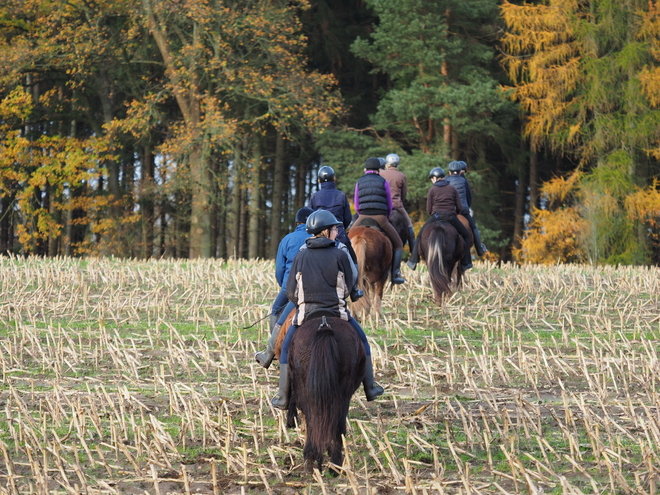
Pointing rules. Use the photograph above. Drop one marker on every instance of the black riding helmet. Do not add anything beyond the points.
(326, 174)
(372, 163)
(303, 213)
(320, 220)
(437, 172)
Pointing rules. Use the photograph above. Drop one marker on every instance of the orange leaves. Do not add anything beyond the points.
(553, 237)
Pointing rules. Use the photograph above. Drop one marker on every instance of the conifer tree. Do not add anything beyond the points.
(582, 72)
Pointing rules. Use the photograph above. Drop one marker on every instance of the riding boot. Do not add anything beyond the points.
(466, 263)
(411, 238)
(371, 388)
(414, 256)
(478, 245)
(396, 268)
(281, 400)
(266, 357)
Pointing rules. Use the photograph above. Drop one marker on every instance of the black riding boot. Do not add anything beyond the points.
(371, 388)
(411, 238)
(396, 268)
(281, 400)
(266, 357)
(478, 245)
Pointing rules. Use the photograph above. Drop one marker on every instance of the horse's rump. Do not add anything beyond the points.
(326, 365)
(373, 251)
(441, 246)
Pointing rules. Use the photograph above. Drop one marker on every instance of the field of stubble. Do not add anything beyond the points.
(138, 377)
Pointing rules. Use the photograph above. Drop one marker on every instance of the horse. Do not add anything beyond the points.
(373, 251)
(400, 225)
(442, 247)
(326, 366)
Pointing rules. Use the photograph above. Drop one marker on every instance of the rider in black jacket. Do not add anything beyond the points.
(321, 277)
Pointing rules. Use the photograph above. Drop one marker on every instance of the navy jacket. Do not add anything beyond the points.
(463, 187)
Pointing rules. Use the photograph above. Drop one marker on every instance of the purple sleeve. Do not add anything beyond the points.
(388, 193)
(356, 200)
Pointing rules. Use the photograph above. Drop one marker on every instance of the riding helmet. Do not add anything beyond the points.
(463, 165)
(326, 173)
(392, 159)
(320, 220)
(455, 167)
(302, 214)
(372, 163)
(437, 172)
(382, 162)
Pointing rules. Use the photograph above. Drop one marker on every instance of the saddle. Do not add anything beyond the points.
(320, 313)
(370, 223)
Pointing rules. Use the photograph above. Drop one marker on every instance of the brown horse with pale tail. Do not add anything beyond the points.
(442, 247)
(374, 258)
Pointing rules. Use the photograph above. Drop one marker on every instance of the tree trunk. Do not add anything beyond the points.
(235, 209)
(279, 176)
(200, 214)
(254, 207)
(147, 202)
(187, 94)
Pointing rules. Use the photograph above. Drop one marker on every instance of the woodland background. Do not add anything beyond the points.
(194, 128)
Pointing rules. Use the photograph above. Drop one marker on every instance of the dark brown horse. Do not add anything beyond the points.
(326, 365)
(374, 257)
(442, 247)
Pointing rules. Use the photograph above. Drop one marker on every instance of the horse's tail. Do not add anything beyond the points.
(362, 305)
(359, 247)
(436, 263)
(324, 390)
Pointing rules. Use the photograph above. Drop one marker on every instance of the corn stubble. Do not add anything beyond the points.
(138, 377)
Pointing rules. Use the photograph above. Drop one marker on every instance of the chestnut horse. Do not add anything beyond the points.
(442, 247)
(326, 366)
(373, 251)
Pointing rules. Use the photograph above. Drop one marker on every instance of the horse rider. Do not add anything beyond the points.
(286, 252)
(373, 199)
(457, 179)
(399, 189)
(443, 204)
(321, 277)
(329, 198)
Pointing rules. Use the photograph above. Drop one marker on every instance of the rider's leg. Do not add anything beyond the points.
(466, 263)
(371, 388)
(281, 400)
(397, 247)
(478, 245)
(266, 357)
(414, 254)
(411, 231)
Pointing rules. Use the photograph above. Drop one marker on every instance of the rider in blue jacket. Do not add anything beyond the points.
(286, 252)
(457, 179)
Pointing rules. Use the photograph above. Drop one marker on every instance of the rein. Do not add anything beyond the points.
(260, 319)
